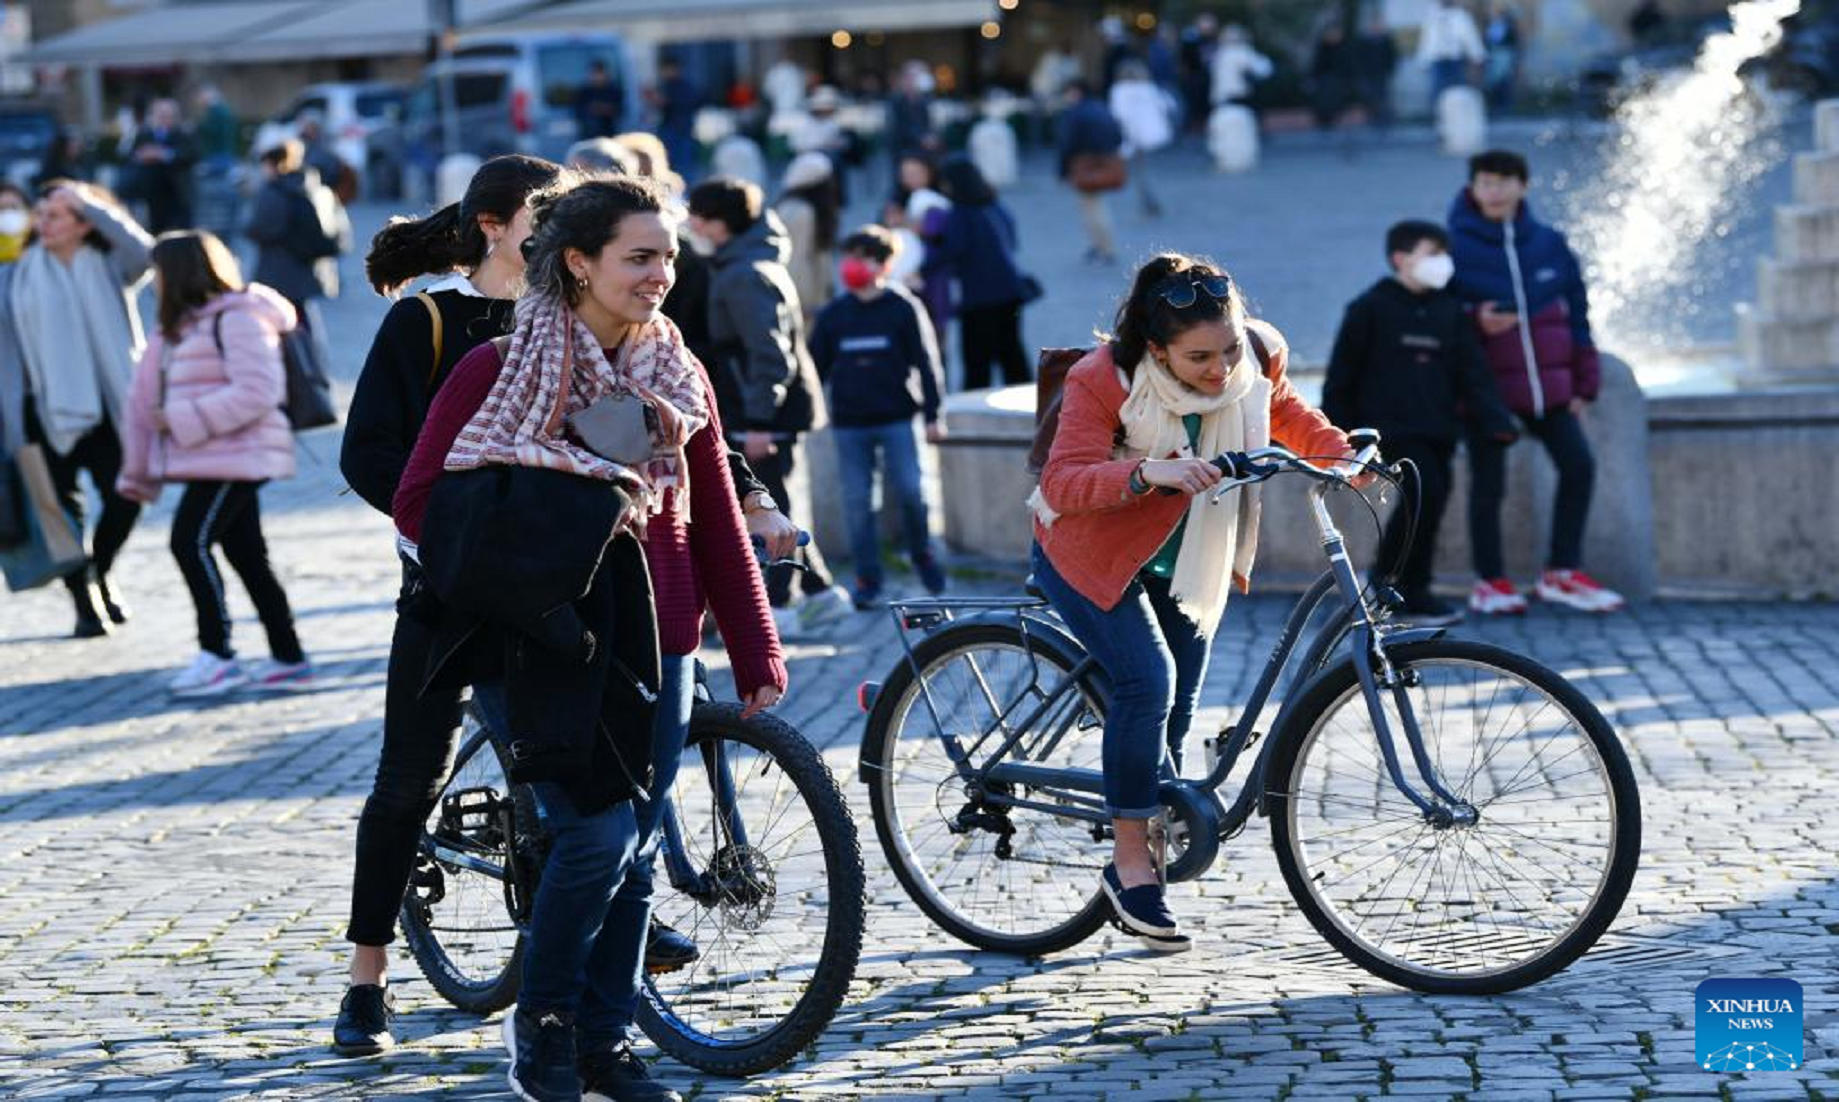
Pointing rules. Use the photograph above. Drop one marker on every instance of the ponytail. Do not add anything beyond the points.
(450, 238)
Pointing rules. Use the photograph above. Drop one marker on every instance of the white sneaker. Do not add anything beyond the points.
(272, 673)
(1496, 597)
(831, 605)
(788, 623)
(1578, 590)
(208, 675)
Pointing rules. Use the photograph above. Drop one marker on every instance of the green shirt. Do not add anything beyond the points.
(1163, 564)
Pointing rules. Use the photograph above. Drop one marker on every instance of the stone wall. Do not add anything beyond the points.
(1791, 333)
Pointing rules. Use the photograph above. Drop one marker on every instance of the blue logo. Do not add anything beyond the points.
(1748, 1025)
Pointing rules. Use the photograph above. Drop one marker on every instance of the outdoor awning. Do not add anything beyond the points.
(245, 31)
(704, 20)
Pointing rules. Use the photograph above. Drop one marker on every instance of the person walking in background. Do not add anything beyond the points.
(1406, 361)
(810, 210)
(910, 113)
(1200, 40)
(299, 228)
(1502, 39)
(874, 348)
(73, 298)
(1376, 59)
(66, 158)
(765, 383)
(1090, 138)
(600, 103)
(474, 247)
(1117, 50)
(1237, 65)
(205, 411)
(1449, 43)
(1334, 75)
(1144, 111)
(1527, 292)
(675, 100)
(219, 135)
(163, 155)
(15, 225)
(976, 251)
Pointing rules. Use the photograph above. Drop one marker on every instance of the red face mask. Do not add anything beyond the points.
(858, 273)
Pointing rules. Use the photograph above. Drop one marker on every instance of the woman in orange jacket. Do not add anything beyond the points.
(1127, 547)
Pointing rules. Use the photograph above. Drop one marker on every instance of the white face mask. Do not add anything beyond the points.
(14, 223)
(1435, 271)
(699, 244)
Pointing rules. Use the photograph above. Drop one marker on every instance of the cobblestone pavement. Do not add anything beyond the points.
(173, 878)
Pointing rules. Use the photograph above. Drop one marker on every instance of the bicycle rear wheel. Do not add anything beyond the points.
(468, 887)
(1450, 908)
(765, 874)
(1004, 879)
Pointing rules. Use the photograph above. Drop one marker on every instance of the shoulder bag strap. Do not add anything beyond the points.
(434, 318)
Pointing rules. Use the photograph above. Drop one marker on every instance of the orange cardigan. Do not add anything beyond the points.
(1105, 533)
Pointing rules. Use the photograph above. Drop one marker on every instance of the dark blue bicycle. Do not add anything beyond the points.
(1451, 816)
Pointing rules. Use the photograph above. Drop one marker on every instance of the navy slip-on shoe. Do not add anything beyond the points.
(1143, 911)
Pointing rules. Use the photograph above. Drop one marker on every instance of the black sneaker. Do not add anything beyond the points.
(614, 1074)
(668, 949)
(364, 1017)
(1143, 911)
(542, 1049)
(1425, 608)
(864, 598)
(111, 602)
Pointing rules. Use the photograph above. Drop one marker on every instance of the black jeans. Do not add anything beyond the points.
(229, 515)
(1564, 441)
(420, 735)
(99, 452)
(1430, 495)
(992, 335)
(815, 578)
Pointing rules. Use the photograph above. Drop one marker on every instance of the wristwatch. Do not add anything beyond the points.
(759, 502)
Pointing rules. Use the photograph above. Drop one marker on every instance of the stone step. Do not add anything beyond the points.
(1781, 349)
(1816, 179)
(1807, 233)
(1798, 291)
(1826, 126)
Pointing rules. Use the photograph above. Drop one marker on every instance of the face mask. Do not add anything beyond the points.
(14, 223)
(1434, 272)
(857, 273)
(699, 244)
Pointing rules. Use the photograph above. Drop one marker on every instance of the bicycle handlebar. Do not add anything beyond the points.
(1248, 467)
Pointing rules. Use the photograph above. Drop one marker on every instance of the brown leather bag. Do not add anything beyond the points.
(1050, 381)
(1096, 172)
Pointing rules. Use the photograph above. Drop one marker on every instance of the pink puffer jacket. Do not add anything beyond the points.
(223, 409)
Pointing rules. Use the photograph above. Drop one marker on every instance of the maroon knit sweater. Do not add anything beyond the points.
(707, 562)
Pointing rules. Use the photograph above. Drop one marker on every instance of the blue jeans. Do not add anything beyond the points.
(1155, 658)
(586, 945)
(898, 445)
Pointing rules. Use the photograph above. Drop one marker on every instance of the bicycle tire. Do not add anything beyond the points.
(842, 948)
(880, 741)
(1290, 756)
(497, 989)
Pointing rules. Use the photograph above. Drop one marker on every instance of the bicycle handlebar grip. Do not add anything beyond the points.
(1231, 464)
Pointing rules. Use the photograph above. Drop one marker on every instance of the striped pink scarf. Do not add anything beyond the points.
(522, 422)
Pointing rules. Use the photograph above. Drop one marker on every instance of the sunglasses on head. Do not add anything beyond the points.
(1183, 290)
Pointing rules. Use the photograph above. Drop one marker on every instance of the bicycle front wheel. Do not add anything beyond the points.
(1010, 880)
(762, 869)
(1456, 908)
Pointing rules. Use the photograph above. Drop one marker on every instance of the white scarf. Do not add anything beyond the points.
(1220, 540)
(68, 317)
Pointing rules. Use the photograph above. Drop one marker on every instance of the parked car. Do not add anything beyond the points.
(363, 121)
(513, 94)
(26, 132)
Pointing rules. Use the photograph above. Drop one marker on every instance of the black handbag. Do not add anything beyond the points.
(13, 527)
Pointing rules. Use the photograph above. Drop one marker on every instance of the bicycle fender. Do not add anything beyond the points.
(1046, 628)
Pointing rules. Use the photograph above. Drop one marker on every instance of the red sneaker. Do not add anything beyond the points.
(1578, 590)
(1496, 597)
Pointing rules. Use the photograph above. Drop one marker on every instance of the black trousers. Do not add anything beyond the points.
(1563, 438)
(229, 515)
(1429, 496)
(992, 336)
(98, 452)
(815, 578)
(420, 736)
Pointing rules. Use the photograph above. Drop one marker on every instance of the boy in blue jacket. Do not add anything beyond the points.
(875, 349)
(1526, 289)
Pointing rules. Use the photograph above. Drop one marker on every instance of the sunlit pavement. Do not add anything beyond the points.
(175, 876)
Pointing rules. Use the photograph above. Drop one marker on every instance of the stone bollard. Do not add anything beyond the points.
(1232, 138)
(992, 148)
(451, 177)
(983, 477)
(739, 156)
(1462, 121)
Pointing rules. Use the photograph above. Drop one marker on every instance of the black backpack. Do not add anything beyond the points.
(308, 404)
(306, 239)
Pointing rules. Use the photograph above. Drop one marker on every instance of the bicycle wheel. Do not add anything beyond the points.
(459, 913)
(773, 897)
(1003, 879)
(1481, 908)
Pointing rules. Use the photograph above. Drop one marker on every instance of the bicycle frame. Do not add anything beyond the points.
(1070, 793)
